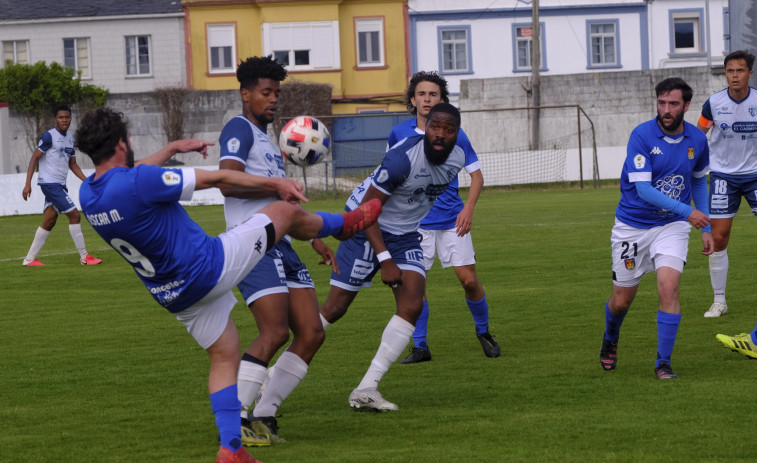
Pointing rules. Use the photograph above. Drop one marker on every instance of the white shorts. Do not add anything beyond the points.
(637, 251)
(453, 250)
(243, 247)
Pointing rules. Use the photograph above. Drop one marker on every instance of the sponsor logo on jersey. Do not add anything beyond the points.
(744, 126)
(719, 202)
(656, 150)
(414, 255)
(171, 178)
(360, 270)
(691, 153)
(724, 127)
(639, 161)
(630, 263)
(232, 146)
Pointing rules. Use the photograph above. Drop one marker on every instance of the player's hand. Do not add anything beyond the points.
(291, 190)
(326, 253)
(26, 192)
(391, 275)
(698, 219)
(464, 222)
(192, 144)
(708, 242)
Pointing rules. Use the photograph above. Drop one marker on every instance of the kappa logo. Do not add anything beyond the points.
(656, 150)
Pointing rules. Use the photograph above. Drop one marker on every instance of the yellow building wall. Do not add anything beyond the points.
(348, 82)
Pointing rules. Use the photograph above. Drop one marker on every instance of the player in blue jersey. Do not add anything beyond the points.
(665, 168)
(135, 208)
(732, 115)
(445, 230)
(279, 290)
(55, 155)
(412, 174)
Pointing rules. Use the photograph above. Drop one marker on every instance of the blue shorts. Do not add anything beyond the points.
(56, 195)
(279, 270)
(726, 192)
(358, 262)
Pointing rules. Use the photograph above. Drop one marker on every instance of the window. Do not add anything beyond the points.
(522, 53)
(370, 42)
(16, 51)
(454, 46)
(221, 48)
(76, 55)
(138, 55)
(603, 46)
(303, 46)
(686, 32)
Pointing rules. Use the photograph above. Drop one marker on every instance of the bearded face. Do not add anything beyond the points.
(441, 137)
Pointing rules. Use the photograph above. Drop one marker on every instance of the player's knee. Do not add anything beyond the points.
(275, 336)
(313, 337)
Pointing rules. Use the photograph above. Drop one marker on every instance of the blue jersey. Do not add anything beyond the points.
(137, 212)
(668, 163)
(734, 132)
(446, 208)
(58, 149)
(411, 182)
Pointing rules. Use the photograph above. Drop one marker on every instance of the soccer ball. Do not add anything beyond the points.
(305, 141)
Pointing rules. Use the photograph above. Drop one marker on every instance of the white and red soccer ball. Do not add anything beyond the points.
(305, 141)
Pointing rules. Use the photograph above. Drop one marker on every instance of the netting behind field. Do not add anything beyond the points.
(524, 165)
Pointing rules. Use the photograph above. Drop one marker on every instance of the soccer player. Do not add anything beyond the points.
(279, 290)
(135, 208)
(732, 115)
(55, 155)
(745, 343)
(412, 174)
(446, 228)
(665, 168)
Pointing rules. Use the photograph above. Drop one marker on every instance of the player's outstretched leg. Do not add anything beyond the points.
(743, 343)
(359, 219)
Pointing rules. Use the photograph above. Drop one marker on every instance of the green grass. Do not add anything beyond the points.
(93, 370)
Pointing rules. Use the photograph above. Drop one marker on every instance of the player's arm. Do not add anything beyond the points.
(175, 147)
(657, 198)
(285, 188)
(705, 118)
(236, 192)
(464, 220)
(701, 198)
(33, 162)
(390, 273)
(74, 166)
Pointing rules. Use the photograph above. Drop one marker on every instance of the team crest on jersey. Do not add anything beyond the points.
(382, 176)
(171, 178)
(691, 153)
(630, 264)
(753, 111)
(639, 161)
(233, 145)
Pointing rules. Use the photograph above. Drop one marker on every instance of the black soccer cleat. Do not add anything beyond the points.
(417, 355)
(490, 346)
(608, 354)
(665, 371)
(268, 426)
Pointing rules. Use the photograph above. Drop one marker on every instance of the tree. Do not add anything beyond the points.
(33, 91)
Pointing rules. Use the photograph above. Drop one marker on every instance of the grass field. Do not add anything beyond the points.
(94, 371)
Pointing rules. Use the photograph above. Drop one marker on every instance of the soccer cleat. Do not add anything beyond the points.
(90, 260)
(359, 219)
(716, 309)
(490, 346)
(417, 355)
(33, 263)
(250, 438)
(370, 400)
(267, 426)
(741, 343)
(608, 354)
(240, 456)
(664, 371)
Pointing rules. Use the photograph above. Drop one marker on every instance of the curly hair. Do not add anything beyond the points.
(99, 132)
(257, 67)
(424, 76)
(61, 107)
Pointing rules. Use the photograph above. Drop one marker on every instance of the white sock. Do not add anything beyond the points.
(325, 323)
(249, 379)
(289, 371)
(78, 238)
(39, 240)
(719, 274)
(393, 342)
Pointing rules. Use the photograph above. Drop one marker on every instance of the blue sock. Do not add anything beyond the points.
(227, 407)
(612, 324)
(332, 224)
(754, 336)
(480, 312)
(421, 328)
(667, 329)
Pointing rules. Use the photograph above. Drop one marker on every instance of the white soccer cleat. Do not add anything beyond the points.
(716, 309)
(370, 399)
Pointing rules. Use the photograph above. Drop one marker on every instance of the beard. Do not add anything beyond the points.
(436, 157)
(673, 126)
